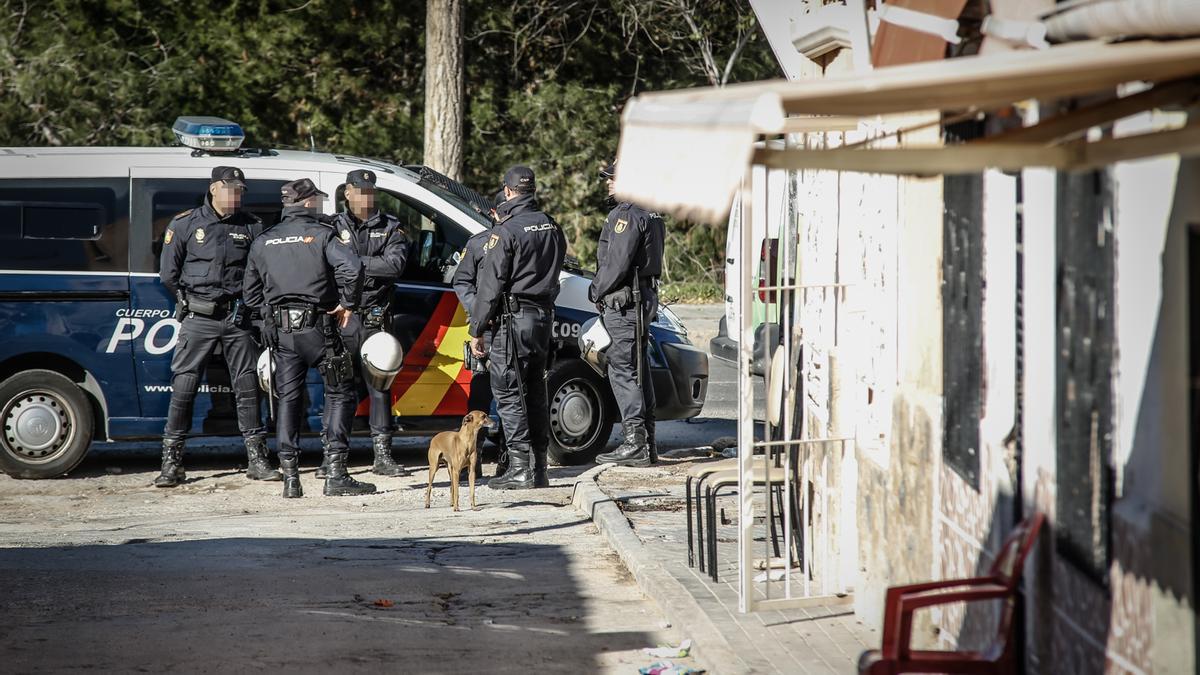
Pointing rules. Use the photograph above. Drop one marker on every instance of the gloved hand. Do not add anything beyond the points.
(270, 337)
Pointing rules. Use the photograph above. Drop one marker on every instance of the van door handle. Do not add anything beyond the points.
(730, 261)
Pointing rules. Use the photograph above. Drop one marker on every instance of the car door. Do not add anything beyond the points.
(429, 321)
(158, 194)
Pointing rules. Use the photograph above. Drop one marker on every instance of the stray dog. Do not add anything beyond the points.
(458, 449)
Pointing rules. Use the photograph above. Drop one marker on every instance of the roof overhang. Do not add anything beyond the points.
(685, 151)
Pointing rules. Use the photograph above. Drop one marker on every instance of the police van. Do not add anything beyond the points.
(89, 328)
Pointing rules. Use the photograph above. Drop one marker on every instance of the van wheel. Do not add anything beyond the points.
(581, 412)
(47, 424)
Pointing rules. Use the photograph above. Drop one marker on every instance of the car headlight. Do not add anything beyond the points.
(667, 320)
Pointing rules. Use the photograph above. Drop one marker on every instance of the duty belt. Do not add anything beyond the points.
(296, 317)
(214, 309)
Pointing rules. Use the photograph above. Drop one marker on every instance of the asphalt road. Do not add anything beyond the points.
(101, 571)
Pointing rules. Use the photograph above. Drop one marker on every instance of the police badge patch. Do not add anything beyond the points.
(200, 234)
(168, 236)
(491, 242)
(345, 236)
(621, 225)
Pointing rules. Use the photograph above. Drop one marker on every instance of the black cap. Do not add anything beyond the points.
(228, 174)
(609, 170)
(520, 179)
(299, 190)
(498, 198)
(361, 178)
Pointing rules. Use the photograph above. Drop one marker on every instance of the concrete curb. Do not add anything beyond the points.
(708, 643)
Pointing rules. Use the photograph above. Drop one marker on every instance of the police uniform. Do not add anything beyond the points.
(630, 256)
(203, 262)
(518, 283)
(465, 284)
(380, 243)
(297, 273)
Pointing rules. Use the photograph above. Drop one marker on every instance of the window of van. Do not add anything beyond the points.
(161, 199)
(67, 225)
(433, 237)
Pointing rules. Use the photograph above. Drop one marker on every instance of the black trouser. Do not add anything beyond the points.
(636, 406)
(354, 335)
(298, 351)
(198, 338)
(520, 347)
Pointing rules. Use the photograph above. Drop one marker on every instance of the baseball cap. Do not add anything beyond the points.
(299, 190)
(228, 174)
(609, 170)
(520, 179)
(361, 178)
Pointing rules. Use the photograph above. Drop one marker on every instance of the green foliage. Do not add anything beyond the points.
(545, 83)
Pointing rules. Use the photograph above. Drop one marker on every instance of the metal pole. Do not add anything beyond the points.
(744, 305)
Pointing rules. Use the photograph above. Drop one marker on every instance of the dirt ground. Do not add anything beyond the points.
(101, 571)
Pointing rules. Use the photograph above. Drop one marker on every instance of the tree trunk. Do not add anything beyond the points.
(444, 86)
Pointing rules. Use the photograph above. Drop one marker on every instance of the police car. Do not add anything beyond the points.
(88, 327)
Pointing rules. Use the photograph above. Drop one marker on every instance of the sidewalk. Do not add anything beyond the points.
(641, 511)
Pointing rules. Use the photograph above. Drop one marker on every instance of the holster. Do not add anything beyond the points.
(202, 307)
(620, 299)
(338, 365)
(375, 317)
(181, 305)
(473, 363)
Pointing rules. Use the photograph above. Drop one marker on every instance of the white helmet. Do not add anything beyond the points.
(381, 359)
(593, 340)
(266, 370)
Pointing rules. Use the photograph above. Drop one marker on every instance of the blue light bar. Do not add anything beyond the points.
(208, 133)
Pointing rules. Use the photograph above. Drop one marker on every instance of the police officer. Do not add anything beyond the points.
(518, 283)
(625, 290)
(203, 261)
(379, 242)
(306, 281)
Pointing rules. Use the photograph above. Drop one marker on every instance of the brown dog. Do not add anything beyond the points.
(458, 449)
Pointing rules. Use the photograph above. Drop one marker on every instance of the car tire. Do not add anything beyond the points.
(47, 424)
(581, 412)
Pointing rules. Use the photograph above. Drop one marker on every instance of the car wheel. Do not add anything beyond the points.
(581, 412)
(47, 423)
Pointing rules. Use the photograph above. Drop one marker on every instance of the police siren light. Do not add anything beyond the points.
(208, 133)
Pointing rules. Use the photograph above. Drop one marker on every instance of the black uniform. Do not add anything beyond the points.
(631, 243)
(381, 245)
(465, 283)
(204, 258)
(297, 272)
(518, 283)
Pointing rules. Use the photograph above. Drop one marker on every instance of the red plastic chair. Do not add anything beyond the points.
(901, 602)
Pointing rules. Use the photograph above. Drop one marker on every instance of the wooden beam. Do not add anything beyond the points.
(805, 125)
(971, 158)
(1055, 128)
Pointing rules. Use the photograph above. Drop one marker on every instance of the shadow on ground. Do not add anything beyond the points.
(307, 605)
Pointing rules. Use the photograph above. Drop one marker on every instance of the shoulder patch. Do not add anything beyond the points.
(491, 242)
(200, 234)
(168, 236)
(622, 224)
(344, 235)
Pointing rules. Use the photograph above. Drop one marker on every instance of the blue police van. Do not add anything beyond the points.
(89, 330)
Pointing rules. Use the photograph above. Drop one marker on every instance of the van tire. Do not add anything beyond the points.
(46, 424)
(581, 412)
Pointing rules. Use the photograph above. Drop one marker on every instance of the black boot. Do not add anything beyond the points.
(520, 472)
(540, 459)
(258, 467)
(172, 465)
(384, 464)
(635, 451)
(323, 470)
(290, 467)
(339, 483)
(501, 463)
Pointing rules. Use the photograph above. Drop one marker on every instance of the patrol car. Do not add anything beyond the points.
(89, 329)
